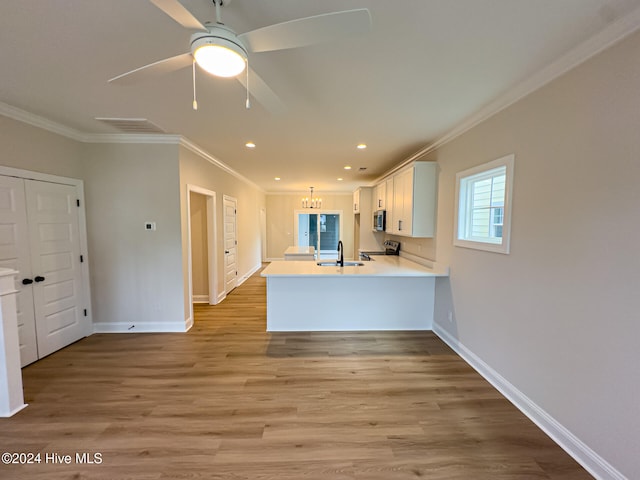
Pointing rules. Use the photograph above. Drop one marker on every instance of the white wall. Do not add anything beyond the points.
(558, 317)
(136, 275)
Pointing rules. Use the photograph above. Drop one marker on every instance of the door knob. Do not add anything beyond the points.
(38, 279)
(27, 281)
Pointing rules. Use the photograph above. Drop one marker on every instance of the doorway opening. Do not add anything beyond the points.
(201, 218)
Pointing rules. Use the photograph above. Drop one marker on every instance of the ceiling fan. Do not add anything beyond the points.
(217, 49)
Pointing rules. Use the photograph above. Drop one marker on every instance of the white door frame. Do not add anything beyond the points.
(212, 245)
(82, 225)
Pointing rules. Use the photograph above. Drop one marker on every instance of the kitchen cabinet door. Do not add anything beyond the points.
(380, 196)
(356, 201)
(414, 201)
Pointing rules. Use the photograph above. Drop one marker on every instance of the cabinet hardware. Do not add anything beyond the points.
(27, 281)
(38, 279)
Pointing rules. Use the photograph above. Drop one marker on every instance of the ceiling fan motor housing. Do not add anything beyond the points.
(218, 35)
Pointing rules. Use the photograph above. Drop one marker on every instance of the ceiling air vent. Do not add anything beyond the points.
(132, 125)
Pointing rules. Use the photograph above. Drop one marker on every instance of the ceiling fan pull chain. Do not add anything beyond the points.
(195, 102)
(248, 104)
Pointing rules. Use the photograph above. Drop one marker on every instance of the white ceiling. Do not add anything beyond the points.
(426, 67)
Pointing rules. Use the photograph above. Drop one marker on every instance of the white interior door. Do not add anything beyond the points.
(230, 243)
(14, 254)
(54, 241)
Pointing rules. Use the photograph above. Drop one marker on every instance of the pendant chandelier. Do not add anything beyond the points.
(310, 202)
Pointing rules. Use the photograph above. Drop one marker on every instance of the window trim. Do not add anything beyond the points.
(503, 247)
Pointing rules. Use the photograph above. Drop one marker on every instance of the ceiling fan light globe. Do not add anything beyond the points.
(219, 60)
(219, 52)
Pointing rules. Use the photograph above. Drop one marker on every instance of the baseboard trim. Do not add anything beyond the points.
(11, 413)
(139, 327)
(200, 299)
(188, 323)
(246, 276)
(585, 456)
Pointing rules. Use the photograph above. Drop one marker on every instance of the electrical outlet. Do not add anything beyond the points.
(150, 226)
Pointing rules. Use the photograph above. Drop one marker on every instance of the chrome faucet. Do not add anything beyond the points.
(340, 253)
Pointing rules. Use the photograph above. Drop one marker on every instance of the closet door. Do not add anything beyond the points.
(14, 254)
(54, 241)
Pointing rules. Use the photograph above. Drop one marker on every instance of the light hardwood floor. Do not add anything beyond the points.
(229, 401)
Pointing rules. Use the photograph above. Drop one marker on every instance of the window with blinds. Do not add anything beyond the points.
(483, 210)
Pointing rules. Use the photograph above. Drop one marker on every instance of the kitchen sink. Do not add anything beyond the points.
(336, 264)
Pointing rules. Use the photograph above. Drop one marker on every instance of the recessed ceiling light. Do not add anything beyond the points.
(250, 145)
(277, 179)
(347, 167)
(361, 146)
(339, 179)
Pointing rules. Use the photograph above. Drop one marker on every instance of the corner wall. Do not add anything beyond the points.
(557, 319)
(198, 171)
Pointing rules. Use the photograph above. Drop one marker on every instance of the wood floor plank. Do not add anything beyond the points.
(229, 401)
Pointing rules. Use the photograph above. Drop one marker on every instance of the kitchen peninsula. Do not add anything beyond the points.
(390, 293)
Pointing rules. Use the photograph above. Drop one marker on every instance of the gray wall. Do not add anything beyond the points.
(558, 317)
(136, 275)
(37, 150)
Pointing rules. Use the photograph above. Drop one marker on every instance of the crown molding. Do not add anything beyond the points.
(612, 34)
(43, 123)
(59, 129)
(189, 145)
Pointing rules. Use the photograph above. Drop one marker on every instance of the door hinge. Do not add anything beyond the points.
(78, 202)
(85, 312)
(81, 259)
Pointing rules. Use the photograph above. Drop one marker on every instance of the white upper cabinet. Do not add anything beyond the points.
(413, 212)
(380, 196)
(356, 201)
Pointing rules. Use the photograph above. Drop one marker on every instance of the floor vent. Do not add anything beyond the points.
(132, 125)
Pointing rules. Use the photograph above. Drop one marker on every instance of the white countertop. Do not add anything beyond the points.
(382, 266)
(300, 251)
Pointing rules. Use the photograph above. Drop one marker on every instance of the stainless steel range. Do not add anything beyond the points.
(391, 247)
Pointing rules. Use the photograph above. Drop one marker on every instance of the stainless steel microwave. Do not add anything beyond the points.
(379, 220)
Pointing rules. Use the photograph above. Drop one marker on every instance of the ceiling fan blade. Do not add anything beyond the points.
(262, 92)
(157, 68)
(176, 10)
(308, 31)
